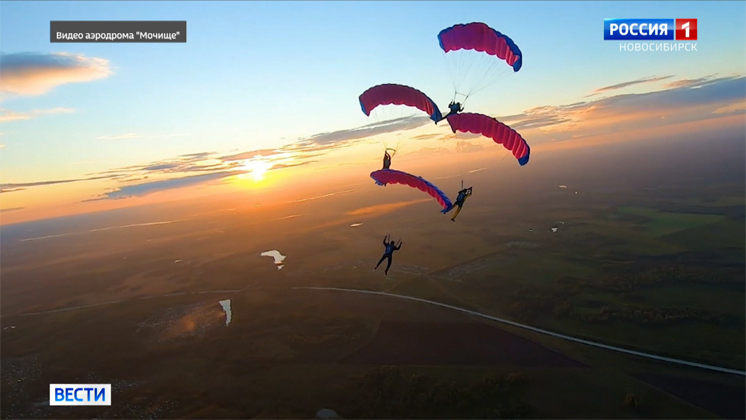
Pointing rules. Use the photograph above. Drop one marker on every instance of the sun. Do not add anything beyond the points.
(257, 168)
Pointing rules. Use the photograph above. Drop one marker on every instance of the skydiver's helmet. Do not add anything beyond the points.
(392, 243)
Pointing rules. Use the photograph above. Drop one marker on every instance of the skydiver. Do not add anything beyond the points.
(388, 253)
(462, 196)
(455, 108)
(386, 160)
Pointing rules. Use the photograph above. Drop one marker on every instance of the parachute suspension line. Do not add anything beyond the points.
(450, 73)
(487, 77)
(479, 71)
(467, 72)
(494, 79)
(457, 62)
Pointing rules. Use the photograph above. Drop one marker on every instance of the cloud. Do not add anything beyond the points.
(627, 84)
(11, 209)
(290, 165)
(302, 200)
(10, 190)
(210, 165)
(370, 130)
(379, 209)
(139, 190)
(738, 108)
(12, 187)
(214, 166)
(121, 137)
(426, 136)
(7, 116)
(689, 82)
(36, 74)
(189, 163)
(251, 154)
(468, 147)
(689, 102)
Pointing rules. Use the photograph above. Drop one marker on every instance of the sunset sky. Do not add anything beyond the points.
(87, 127)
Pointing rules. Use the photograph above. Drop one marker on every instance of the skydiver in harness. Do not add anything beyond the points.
(454, 108)
(388, 253)
(462, 196)
(386, 160)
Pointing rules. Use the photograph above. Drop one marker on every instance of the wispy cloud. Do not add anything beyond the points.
(731, 109)
(379, 209)
(143, 189)
(7, 116)
(689, 82)
(11, 187)
(290, 165)
(302, 200)
(184, 164)
(468, 147)
(121, 137)
(215, 166)
(252, 154)
(426, 136)
(11, 209)
(370, 130)
(688, 102)
(628, 84)
(36, 73)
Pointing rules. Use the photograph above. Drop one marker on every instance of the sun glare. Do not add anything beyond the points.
(257, 168)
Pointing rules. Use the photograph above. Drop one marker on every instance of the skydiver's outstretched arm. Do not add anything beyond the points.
(398, 247)
(386, 240)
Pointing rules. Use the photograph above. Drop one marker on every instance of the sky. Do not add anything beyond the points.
(93, 126)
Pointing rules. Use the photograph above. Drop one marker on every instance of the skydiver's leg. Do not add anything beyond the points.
(380, 261)
(388, 265)
(458, 210)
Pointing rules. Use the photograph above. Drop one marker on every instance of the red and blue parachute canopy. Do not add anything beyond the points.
(480, 37)
(494, 129)
(392, 94)
(391, 176)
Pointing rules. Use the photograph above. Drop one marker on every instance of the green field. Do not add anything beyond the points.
(659, 223)
(654, 266)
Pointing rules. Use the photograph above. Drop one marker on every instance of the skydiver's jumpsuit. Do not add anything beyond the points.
(462, 196)
(455, 108)
(388, 253)
(386, 160)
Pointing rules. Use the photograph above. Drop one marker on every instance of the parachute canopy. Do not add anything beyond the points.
(392, 94)
(494, 129)
(480, 37)
(391, 176)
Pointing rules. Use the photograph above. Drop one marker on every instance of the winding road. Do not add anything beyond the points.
(541, 331)
(455, 308)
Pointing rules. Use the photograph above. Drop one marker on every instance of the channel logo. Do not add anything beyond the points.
(80, 394)
(650, 29)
